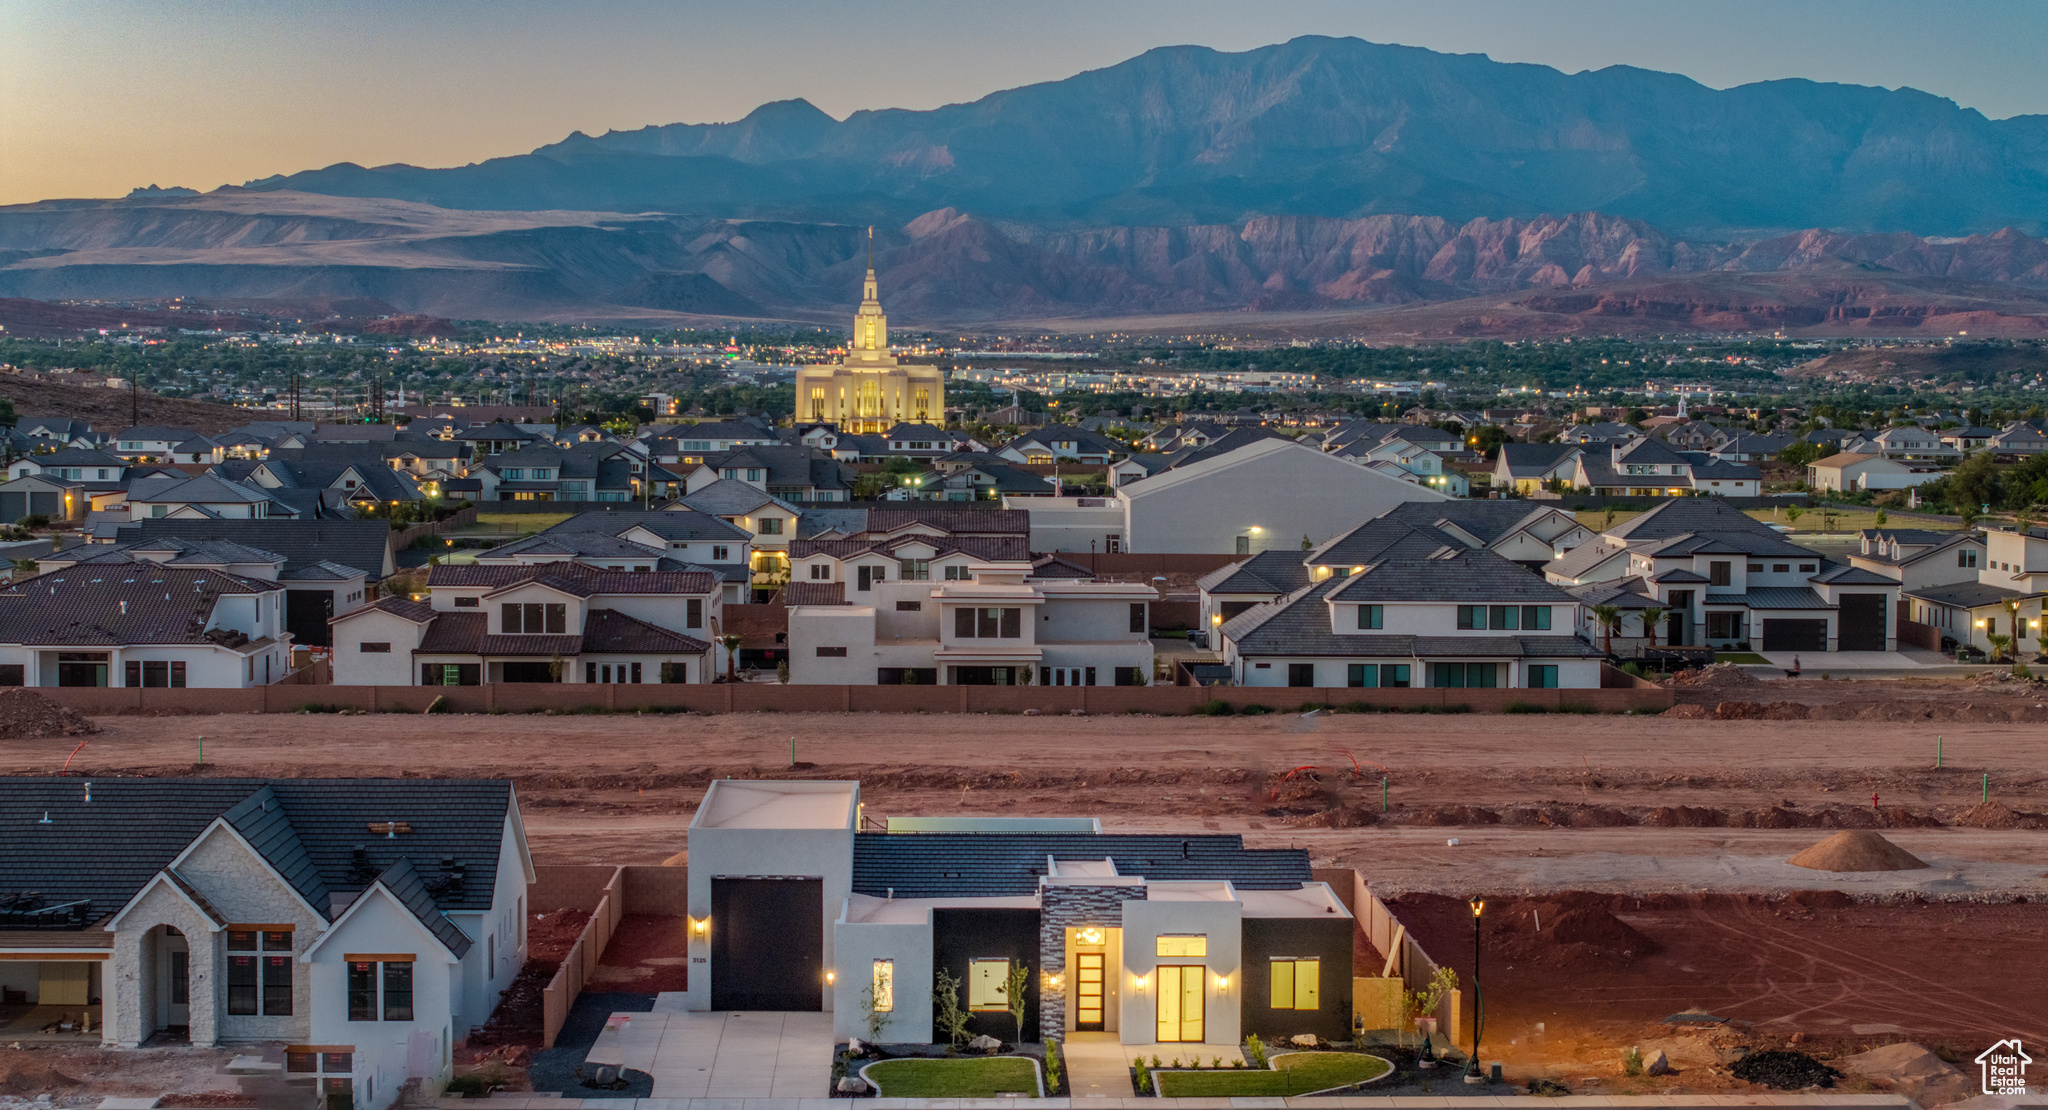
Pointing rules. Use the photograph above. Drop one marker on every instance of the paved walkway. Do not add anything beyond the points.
(718, 1055)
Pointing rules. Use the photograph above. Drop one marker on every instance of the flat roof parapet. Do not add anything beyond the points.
(778, 804)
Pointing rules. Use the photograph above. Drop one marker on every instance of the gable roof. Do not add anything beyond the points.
(128, 603)
(608, 630)
(730, 496)
(669, 524)
(307, 829)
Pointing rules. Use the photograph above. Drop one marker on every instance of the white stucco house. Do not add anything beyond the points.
(369, 924)
(132, 622)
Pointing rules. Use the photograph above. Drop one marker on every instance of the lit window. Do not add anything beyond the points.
(1196, 945)
(884, 986)
(1297, 984)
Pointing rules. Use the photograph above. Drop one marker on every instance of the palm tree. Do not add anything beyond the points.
(1651, 615)
(731, 643)
(1608, 617)
(1998, 642)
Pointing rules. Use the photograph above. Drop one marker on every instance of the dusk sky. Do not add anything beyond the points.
(98, 98)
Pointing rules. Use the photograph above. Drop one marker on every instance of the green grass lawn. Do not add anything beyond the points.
(1293, 1073)
(956, 1078)
(1739, 657)
(522, 522)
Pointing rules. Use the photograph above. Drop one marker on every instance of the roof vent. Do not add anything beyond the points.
(390, 829)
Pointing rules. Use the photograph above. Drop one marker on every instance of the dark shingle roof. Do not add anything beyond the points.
(1966, 595)
(670, 524)
(577, 579)
(131, 603)
(1772, 597)
(608, 630)
(363, 545)
(106, 850)
(967, 865)
(1268, 572)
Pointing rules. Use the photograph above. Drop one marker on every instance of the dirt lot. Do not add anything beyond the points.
(1677, 829)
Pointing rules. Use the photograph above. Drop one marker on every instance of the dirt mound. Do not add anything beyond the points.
(1685, 817)
(1997, 815)
(1598, 929)
(1857, 850)
(1757, 711)
(27, 715)
(1718, 676)
(34, 1078)
(1689, 712)
(1456, 815)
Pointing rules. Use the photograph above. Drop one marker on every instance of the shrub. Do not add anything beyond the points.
(1216, 708)
(1570, 707)
(1255, 710)
(1632, 1061)
(1525, 707)
(1632, 669)
(1356, 707)
(1052, 1067)
(1255, 1051)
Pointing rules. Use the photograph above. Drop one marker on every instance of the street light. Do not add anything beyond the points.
(1472, 1072)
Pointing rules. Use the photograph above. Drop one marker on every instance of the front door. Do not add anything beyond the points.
(177, 981)
(1088, 991)
(1180, 1002)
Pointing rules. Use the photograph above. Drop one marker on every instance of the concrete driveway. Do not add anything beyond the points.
(721, 1054)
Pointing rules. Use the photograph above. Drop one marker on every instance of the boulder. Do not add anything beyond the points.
(1657, 1063)
(852, 1085)
(985, 1043)
(854, 1047)
(1303, 1040)
(1911, 1070)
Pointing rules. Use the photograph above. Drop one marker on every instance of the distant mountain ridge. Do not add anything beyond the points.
(1336, 128)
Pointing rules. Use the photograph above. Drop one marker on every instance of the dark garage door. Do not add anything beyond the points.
(305, 616)
(1784, 635)
(1862, 622)
(767, 944)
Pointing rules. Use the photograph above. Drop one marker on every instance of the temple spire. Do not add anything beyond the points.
(870, 326)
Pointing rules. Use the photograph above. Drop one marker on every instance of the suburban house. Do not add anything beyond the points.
(328, 564)
(367, 924)
(959, 610)
(206, 496)
(2017, 438)
(43, 495)
(1917, 557)
(684, 538)
(789, 472)
(358, 474)
(589, 472)
(1720, 578)
(1187, 938)
(1530, 468)
(1848, 473)
(555, 621)
(137, 623)
(154, 444)
(1269, 493)
(984, 481)
(313, 591)
(1395, 605)
(923, 441)
(1062, 443)
(1747, 447)
(100, 475)
(1647, 467)
(1914, 443)
(1999, 593)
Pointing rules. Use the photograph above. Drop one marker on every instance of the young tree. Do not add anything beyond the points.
(1015, 990)
(948, 1018)
(1608, 616)
(1651, 615)
(731, 643)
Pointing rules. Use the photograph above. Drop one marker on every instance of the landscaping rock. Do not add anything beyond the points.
(1657, 1064)
(1303, 1040)
(1912, 1071)
(854, 1047)
(1786, 1071)
(985, 1043)
(852, 1085)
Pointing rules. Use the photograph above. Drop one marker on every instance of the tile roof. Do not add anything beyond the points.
(1268, 572)
(1966, 595)
(968, 865)
(950, 520)
(418, 612)
(999, 549)
(571, 544)
(1772, 597)
(608, 630)
(576, 578)
(669, 524)
(108, 849)
(133, 603)
(730, 496)
(1422, 568)
(814, 593)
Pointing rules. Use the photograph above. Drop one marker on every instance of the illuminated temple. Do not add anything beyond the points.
(868, 392)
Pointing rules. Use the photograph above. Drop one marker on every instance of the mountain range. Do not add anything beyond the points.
(1315, 176)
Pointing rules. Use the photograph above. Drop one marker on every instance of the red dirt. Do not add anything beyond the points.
(1816, 964)
(648, 953)
(517, 1022)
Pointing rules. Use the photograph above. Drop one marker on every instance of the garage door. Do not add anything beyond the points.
(1784, 635)
(1862, 622)
(767, 944)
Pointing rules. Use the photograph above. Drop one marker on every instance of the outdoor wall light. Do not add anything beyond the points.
(1141, 984)
(1054, 981)
(831, 977)
(1223, 984)
(1089, 936)
(701, 926)
(1256, 528)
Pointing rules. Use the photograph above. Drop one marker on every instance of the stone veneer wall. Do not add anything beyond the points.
(1063, 907)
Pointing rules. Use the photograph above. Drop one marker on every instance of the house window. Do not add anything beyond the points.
(374, 648)
(754, 475)
(1182, 946)
(1781, 568)
(514, 474)
(1542, 676)
(1720, 573)
(1462, 675)
(534, 619)
(1808, 568)
(277, 972)
(1756, 568)
(362, 991)
(720, 553)
(1472, 617)
(909, 606)
(1535, 618)
(821, 572)
(1966, 557)
(1297, 984)
(958, 574)
(1301, 674)
(915, 570)
(693, 612)
(1390, 675)
(397, 991)
(1372, 617)
(988, 985)
(882, 986)
(831, 652)
(465, 602)
(866, 575)
(243, 975)
(153, 672)
(1138, 624)
(987, 624)
(1508, 617)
